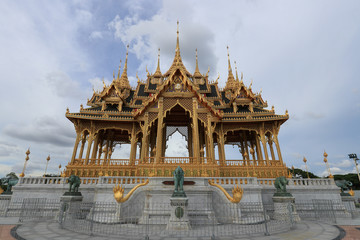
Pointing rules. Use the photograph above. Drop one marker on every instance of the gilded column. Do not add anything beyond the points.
(195, 135)
(270, 142)
(210, 131)
(190, 141)
(163, 141)
(278, 148)
(263, 141)
(258, 148)
(106, 149)
(221, 148)
(95, 148)
(246, 144)
(100, 148)
(133, 141)
(144, 140)
(159, 136)
(83, 141)
(90, 142)
(252, 152)
(75, 147)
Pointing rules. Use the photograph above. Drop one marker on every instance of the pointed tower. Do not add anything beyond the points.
(197, 73)
(230, 83)
(158, 72)
(177, 62)
(123, 82)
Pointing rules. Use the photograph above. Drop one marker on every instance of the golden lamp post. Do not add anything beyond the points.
(47, 162)
(355, 158)
(327, 164)
(26, 159)
(306, 167)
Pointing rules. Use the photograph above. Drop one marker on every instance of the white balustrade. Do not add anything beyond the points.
(300, 181)
(224, 181)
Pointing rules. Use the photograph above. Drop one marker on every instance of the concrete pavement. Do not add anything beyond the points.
(309, 230)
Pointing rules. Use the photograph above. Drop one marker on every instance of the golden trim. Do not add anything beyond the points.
(237, 192)
(119, 192)
(351, 192)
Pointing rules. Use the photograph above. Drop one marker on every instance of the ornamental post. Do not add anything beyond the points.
(159, 136)
(22, 174)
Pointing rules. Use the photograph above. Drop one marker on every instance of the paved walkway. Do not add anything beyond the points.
(309, 230)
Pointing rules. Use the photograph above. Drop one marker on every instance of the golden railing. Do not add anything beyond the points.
(164, 167)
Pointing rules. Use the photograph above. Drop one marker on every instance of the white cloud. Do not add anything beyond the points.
(96, 35)
(334, 170)
(41, 57)
(176, 146)
(346, 163)
(64, 86)
(98, 84)
(4, 169)
(144, 39)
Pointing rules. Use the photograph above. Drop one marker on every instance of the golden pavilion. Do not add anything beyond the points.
(207, 116)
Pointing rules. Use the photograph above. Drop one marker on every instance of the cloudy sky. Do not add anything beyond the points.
(304, 55)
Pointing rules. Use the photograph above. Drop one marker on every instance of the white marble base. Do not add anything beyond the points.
(178, 222)
(73, 203)
(349, 203)
(282, 211)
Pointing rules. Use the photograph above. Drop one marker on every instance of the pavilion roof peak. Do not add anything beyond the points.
(157, 71)
(197, 71)
(177, 62)
(231, 82)
(123, 81)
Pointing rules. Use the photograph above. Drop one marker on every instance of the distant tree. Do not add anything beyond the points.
(302, 174)
(352, 177)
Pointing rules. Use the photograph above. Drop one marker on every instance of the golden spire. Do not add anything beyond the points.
(237, 77)
(197, 72)
(124, 81)
(177, 39)
(177, 63)
(230, 83)
(158, 72)
(118, 76)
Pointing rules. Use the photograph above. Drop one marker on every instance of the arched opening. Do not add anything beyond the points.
(177, 133)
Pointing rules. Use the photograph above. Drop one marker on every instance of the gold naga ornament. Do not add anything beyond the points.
(237, 192)
(119, 192)
(351, 192)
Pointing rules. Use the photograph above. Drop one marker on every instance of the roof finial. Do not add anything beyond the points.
(118, 76)
(237, 77)
(228, 58)
(230, 83)
(124, 81)
(137, 78)
(114, 75)
(158, 72)
(242, 77)
(177, 38)
(197, 72)
(126, 59)
(103, 82)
